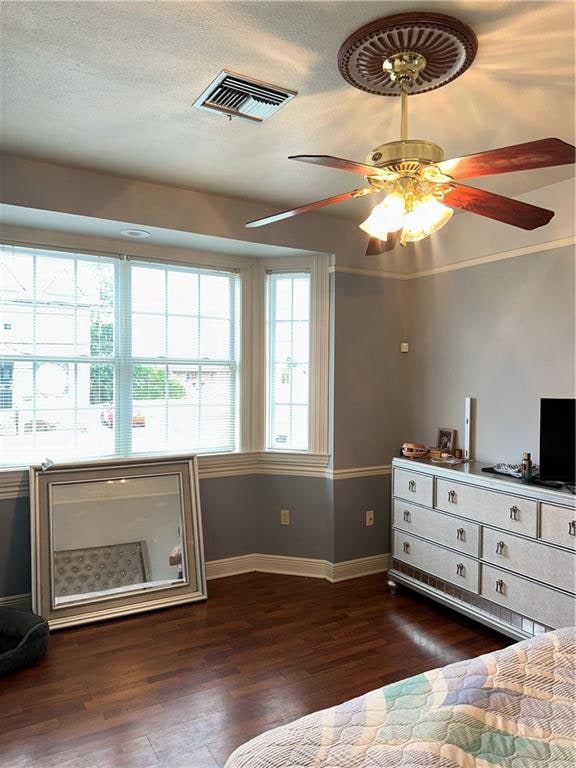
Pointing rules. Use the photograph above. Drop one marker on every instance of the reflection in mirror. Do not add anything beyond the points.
(116, 536)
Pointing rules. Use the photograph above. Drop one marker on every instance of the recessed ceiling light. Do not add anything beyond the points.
(135, 233)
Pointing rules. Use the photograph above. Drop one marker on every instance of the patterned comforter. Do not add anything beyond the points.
(514, 708)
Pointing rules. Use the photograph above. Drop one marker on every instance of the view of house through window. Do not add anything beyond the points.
(100, 356)
(288, 360)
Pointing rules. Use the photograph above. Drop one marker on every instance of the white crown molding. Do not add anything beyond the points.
(354, 472)
(368, 272)
(297, 566)
(549, 245)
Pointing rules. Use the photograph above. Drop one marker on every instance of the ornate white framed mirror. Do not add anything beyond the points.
(111, 538)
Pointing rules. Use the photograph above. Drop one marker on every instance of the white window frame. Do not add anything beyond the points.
(253, 374)
(317, 266)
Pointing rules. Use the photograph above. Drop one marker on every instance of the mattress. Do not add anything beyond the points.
(514, 708)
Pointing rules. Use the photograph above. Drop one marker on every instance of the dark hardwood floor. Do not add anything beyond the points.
(185, 686)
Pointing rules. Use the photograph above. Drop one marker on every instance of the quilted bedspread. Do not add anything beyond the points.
(514, 708)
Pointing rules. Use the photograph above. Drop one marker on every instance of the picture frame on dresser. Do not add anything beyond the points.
(115, 537)
(446, 439)
(496, 549)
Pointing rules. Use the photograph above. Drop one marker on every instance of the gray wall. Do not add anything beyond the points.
(241, 515)
(14, 547)
(352, 498)
(367, 370)
(501, 332)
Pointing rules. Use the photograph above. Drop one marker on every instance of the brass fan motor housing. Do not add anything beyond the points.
(395, 152)
(406, 159)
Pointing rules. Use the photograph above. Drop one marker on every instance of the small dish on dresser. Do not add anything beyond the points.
(414, 450)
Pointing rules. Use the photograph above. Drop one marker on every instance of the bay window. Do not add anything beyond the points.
(105, 356)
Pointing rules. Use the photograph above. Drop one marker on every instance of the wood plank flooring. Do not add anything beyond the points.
(185, 686)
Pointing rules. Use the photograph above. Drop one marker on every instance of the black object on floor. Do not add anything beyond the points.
(23, 639)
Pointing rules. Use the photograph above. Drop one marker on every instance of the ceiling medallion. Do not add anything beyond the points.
(435, 48)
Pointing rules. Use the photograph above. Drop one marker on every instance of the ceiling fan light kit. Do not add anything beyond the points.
(406, 54)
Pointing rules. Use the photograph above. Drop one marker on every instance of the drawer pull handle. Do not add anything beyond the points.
(406, 547)
(460, 534)
(460, 569)
(452, 497)
(407, 515)
(500, 548)
(572, 528)
(514, 512)
(412, 486)
(500, 586)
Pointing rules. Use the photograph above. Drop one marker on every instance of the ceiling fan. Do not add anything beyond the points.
(413, 53)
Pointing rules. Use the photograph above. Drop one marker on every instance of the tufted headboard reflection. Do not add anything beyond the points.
(94, 569)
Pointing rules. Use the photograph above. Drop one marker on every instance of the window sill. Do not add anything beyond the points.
(14, 481)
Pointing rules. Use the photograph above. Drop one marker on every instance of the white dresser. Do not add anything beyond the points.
(499, 550)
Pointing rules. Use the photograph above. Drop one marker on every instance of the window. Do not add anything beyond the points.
(288, 358)
(100, 357)
(185, 337)
(111, 356)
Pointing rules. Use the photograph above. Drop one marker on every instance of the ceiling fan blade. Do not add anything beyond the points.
(311, 206)
(497, 207)
(339, 163)
(376, 246)
(544, 153)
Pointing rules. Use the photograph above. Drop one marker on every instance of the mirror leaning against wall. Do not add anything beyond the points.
(110, 538)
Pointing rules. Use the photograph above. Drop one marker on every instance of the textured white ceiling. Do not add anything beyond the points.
(109, 85)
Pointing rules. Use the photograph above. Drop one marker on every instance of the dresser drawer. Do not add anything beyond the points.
(535, 601)
(448, 566)
(414, 486)
(501, 510)
(440, 528)
(529, 558)
(558, 525)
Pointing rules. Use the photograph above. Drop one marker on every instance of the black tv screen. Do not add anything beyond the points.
(557, 439)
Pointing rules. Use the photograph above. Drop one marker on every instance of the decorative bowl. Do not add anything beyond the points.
(414, 450)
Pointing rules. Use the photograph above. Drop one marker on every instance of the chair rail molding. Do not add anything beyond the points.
(14, 482)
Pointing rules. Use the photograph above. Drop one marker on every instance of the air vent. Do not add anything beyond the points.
(237, 96)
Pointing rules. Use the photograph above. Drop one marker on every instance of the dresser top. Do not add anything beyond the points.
(471, 472)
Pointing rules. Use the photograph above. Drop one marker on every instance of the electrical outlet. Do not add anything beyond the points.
(284, 517)
(369, 517)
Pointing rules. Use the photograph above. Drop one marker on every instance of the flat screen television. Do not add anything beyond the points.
(557, 439)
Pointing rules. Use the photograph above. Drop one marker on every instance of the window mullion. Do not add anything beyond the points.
(270, 360)
(123, 350)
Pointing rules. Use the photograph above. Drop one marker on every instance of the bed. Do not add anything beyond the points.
(515, 708)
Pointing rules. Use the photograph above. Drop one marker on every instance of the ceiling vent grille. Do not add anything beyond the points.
(237, 96)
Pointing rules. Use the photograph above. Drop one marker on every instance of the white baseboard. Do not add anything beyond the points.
(18, 602)
(297, 566)
(281, 564)
(363, 566)
(229, 566)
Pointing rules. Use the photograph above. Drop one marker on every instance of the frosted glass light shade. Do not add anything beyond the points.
(387, 216)
(426, 217)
